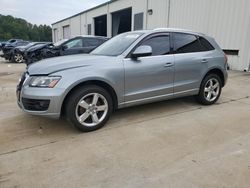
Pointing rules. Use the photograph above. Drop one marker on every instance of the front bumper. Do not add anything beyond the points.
(6, 54)
(39, 101)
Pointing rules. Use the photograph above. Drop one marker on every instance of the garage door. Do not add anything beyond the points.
(66, 32)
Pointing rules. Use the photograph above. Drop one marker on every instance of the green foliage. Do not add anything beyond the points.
(11, 27)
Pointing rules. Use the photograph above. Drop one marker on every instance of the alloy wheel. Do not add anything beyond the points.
(18, 58)
(92, 109)
(212, 89)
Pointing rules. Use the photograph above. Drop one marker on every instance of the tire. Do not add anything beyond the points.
(17, 58)
(211, 84)
(82, 104)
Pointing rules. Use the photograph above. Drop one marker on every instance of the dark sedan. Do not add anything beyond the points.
(34, 53)
(76, 45)
(17, 54)
(7, 49)
(3, 43)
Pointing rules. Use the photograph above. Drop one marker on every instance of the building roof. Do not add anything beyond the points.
(98, 6)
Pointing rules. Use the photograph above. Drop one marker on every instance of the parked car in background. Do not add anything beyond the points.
(76, 45)
(130, 69)
(17, 53)
(3, 43)
(7, 49)
(34, 53)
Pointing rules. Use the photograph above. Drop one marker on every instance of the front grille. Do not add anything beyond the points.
(35, 104)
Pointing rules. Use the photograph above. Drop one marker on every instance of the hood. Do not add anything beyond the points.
(56, 64)
(22, 48)
(37, 47)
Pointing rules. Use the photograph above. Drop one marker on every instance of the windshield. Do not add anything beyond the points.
(117, 45)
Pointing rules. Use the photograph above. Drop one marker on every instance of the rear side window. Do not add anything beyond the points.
(187, 43)
(160, 45)
(205, 44)
(101, 41)
(89, 42)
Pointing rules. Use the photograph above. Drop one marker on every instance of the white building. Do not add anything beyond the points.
(228, 21)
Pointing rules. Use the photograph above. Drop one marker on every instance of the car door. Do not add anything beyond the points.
(191, 59)
(89, 44)
(150, 78)
(74, 46)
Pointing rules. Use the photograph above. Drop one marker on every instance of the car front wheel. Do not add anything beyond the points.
(89, 108)
(210, 89)
(18, 58)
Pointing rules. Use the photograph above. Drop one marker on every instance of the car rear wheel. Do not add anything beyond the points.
(89, 108)
(18, 58)
(210, 89)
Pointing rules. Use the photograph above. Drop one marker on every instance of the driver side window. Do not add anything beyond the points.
(77, 43)
(160, 45)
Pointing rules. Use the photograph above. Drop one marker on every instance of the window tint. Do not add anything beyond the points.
(187, 43)
(205, 44)
(160, 45)
(89, 42)
(101, 41)
(77, 43)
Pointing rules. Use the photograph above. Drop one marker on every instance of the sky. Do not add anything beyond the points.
(45, 11)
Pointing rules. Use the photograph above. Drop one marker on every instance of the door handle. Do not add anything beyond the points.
(169, 64)
(204, 61)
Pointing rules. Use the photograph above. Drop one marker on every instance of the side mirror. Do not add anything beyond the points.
(142, 51)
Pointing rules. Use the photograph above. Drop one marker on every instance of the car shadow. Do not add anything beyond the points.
(36, 126)
(25, 131)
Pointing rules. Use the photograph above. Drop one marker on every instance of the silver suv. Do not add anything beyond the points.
(130, 69)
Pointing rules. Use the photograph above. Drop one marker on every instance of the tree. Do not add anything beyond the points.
(11, 27)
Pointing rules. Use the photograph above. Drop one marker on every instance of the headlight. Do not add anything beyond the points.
(44, 81)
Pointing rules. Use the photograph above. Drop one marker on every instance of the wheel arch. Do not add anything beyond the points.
(99, 83)
(218, 72)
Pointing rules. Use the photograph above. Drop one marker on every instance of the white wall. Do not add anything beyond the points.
(75, 28)
(159, 18)
(225, 20)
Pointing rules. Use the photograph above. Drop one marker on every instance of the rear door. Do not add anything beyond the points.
(191, 60)
(89, 44)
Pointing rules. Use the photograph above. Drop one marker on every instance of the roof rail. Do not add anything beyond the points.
(160, 28)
